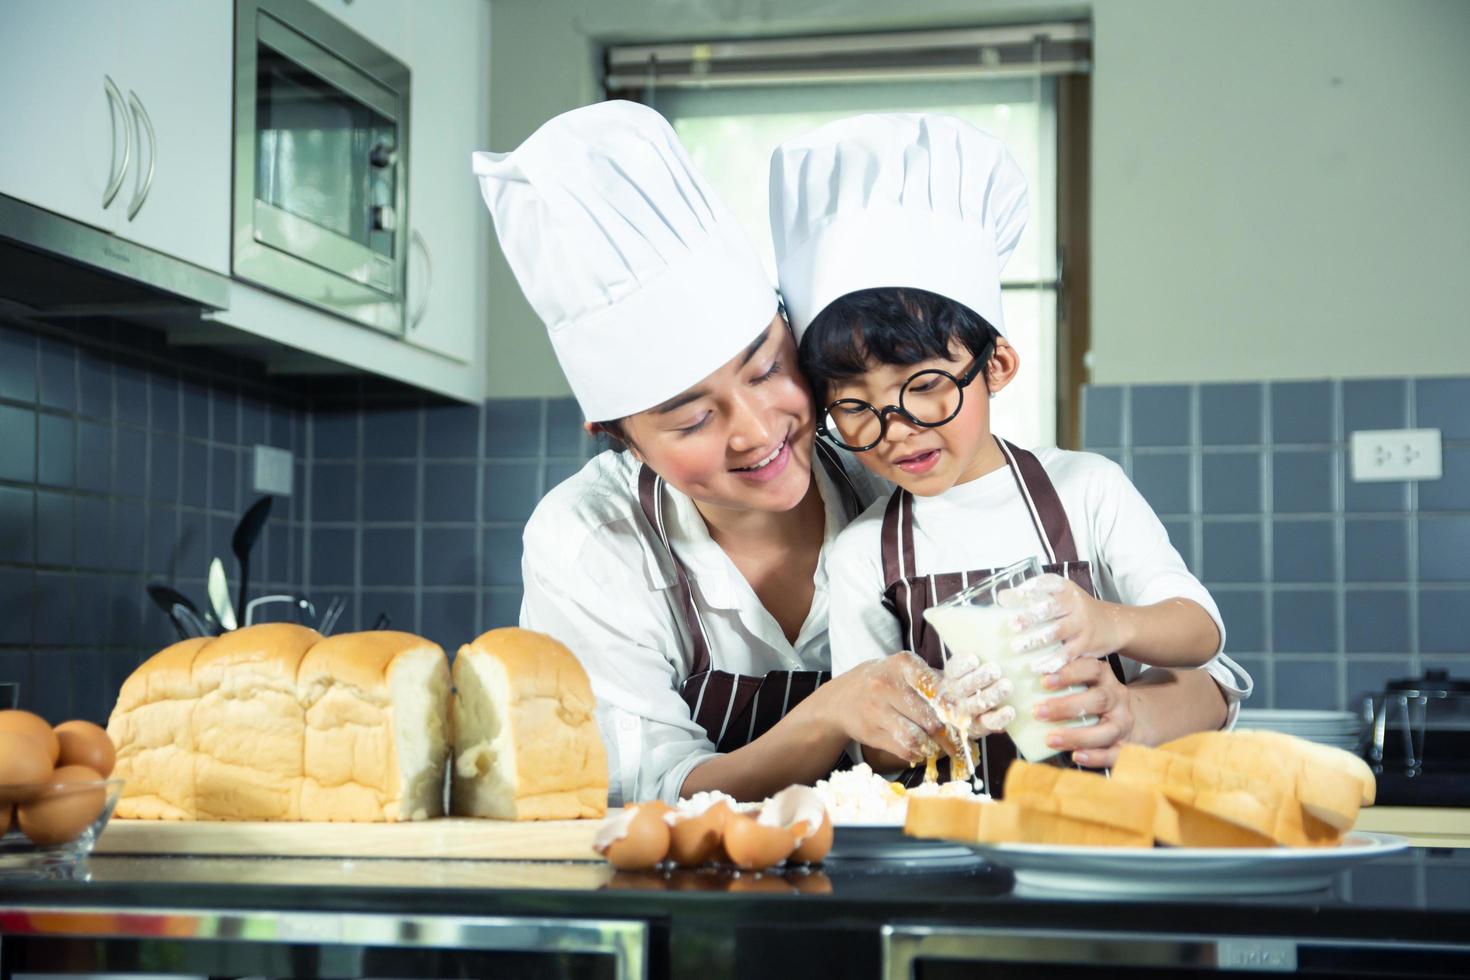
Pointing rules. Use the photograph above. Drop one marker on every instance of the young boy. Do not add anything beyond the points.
(891, 232)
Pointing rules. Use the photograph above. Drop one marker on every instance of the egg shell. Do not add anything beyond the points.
(63, 811)
(645, 840)
(24, 768)
(86, 744)
(814, 846)
(26, 723)
(695, 839)
(753, 846)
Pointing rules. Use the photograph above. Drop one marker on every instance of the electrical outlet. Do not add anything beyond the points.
(273, 471)
(1396, 454)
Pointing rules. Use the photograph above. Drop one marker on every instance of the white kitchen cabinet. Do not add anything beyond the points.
(383, 22)
(448, 120)
(61, 136)
(80, 84)
(176, 60)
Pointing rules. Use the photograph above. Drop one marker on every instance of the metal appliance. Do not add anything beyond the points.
(321, 163)
(1417, 739)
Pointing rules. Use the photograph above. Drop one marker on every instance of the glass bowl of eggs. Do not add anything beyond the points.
(55, 794)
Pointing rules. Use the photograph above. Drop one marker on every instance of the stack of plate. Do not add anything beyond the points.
(1339, 729)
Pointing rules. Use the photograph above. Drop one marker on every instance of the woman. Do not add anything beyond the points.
(687, 573)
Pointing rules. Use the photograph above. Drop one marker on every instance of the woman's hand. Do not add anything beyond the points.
(879, 706)
(975, 691)
(1106, 699)
(1051, 609)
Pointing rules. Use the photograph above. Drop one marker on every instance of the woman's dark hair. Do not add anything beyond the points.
(888, 325)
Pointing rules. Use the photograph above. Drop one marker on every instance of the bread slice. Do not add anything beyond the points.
(1009, 822)
(1327, 756)
(272, 722)
(1328, 794)
(944, 817)
(1071, 806)
(526, 745)
(1203, 805)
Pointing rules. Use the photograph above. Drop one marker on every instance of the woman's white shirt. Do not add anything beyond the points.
(985, 524)
(597, 579)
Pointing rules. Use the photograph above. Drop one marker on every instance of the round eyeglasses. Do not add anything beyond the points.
(929, 399)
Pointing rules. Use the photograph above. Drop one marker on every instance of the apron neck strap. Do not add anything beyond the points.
(651, 499)
(852, 501)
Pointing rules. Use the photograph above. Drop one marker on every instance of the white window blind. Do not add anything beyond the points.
(749, 96)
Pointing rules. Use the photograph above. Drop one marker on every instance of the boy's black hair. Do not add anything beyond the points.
(887, 325)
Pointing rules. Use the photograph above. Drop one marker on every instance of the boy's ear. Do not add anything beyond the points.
(1005, 362)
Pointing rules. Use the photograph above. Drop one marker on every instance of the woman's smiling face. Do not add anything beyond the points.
(741, 439)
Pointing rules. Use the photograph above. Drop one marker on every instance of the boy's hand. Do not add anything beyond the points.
(1053, 609)
(974, 691)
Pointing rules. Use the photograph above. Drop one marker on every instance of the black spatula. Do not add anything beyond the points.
(246, 533)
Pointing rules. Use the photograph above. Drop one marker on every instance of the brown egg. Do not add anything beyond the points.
(635, 839)
(86, 744)
(695, 838)
(25, 723)
(800, 809)
(23, 768)
(64, 809)
(753, 846)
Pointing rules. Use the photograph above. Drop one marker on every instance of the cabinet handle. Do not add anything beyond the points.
(114, 181)
(418, 315)
(141, 114)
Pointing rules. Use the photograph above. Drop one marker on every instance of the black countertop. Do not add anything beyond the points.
(713, 924)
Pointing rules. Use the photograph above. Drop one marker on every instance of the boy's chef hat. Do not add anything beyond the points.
(901, 199)
(643, 277)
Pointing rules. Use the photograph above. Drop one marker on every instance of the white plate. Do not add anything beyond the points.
(1184, 870)
(887, 845)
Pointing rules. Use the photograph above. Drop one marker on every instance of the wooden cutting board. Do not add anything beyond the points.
(445, 838)
(1422, 826)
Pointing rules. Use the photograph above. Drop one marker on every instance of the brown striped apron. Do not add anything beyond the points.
(907, 593)
(736, 709)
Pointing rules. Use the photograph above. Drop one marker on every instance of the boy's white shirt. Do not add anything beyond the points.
(985, 524)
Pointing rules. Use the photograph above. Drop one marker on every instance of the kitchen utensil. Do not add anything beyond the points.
(165, 597)
(258, 601)
(219, 594)
(382, 622)
(243, 541)
(304, 608)
(893, 850)
(331, 615)
(187, 622)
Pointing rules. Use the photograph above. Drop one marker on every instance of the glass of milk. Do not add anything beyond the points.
(982, 622)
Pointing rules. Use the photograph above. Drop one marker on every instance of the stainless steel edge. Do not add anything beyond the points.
(47, 232)
(140, 113)
(903, 945)
(114, 183)
(625, 940)
(418, 315)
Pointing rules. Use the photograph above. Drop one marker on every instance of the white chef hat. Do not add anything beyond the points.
(901, 199)
(643, 277)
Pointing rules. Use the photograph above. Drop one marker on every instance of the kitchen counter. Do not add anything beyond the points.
(1408, 913)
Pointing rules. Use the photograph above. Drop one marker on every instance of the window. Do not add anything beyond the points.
(731, 126)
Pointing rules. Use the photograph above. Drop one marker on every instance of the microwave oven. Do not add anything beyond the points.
(320, 163)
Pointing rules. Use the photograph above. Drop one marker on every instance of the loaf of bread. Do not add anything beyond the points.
(1070, 806)
(1203, 805)
(526, 745)
(273, 722)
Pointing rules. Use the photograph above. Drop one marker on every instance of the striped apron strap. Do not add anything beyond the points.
(1047, 514)
(852, 501)
(651, 498)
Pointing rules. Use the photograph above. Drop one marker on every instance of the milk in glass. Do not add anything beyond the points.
(986, 633)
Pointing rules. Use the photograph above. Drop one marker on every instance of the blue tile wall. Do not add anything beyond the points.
(117, 456)
(1328, 587)
(445, 491)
